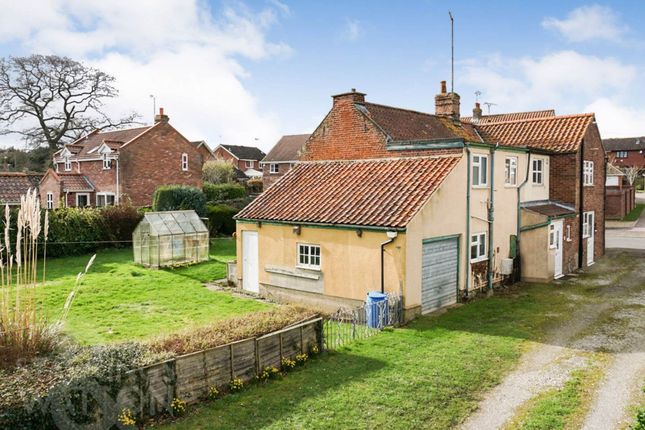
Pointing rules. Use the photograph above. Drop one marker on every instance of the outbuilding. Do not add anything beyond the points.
(170, 238)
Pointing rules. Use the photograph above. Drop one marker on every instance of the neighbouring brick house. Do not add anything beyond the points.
(620, 195)
(246, 159)
(359, 212)
(282, 157)
(106, 168)
(626, 152)
(13, 185)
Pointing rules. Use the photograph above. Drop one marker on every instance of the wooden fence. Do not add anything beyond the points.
(150, 390)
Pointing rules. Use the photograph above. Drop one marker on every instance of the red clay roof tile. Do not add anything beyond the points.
(379, 193)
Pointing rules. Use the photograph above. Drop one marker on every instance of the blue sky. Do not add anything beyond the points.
(235, 71)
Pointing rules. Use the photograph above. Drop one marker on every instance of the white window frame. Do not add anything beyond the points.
(587, 173)
(305, 250)
(106, 195)
(274, 168)
(89, 202)
(622, 154)
(480, 180)
(586, 225)
(250, 164)
(552, 244)
(537, 173)
(107, 162)
(49, 200)
(510, 171)
(184, 162)
(568, 238)
(68, 164)
(479, 240)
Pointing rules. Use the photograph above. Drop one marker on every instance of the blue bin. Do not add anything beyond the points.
(376, 309)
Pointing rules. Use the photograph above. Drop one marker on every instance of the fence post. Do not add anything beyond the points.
(230, 348)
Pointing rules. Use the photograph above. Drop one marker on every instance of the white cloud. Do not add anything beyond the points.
(181, 51)
(588, 23)
(566, 80)
(353, 30)
(616, 119)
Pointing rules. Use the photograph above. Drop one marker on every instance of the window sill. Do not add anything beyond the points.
(312, 268)
(537, 185)
(479, 260)
(510, 185)
(295, 273)
(480, 187)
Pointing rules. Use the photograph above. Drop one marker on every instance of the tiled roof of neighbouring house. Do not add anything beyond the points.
(408, 125)
(15, 184)
(560, 134)
(513, 116)
(74, 182)
(613, 170)
(86, 147)
(245, 152)
(624, 144)
(380, 193)
(287, 149)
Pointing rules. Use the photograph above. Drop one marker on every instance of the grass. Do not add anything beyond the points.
(565, 407)
(120, 300)
(429, 374)
(635, 213)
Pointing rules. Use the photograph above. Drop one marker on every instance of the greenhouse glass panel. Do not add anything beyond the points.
(170, 238)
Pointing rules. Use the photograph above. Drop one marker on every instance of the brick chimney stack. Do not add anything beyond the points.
(161, 117)
(477, 112)
(447, 103)
(351, 97)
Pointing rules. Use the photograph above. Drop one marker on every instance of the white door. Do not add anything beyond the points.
(555, 243)
(250, 263)
(439, 276)
(589, 227)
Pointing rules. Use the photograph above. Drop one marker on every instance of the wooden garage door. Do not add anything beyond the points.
(439, 273)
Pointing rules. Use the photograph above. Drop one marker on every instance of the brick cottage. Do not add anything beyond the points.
(107, 168)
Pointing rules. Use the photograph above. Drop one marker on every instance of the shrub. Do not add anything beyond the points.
(220, 219)
(179, 197)
(120, 222)
(218, 172)
(220, 192)
(254, 185)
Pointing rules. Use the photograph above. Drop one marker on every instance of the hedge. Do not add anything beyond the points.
(220, 219)
(74, 231)
(220, 192)
(179, 197)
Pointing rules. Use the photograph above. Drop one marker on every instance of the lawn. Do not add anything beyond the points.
(119, 300)
(635, 213)
(429, 374)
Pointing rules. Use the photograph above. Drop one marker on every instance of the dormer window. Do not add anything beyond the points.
(107, 163)
(68, 164)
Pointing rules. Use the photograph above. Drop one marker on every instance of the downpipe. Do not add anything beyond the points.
(491, 218)
(392, 237)
(519, 215)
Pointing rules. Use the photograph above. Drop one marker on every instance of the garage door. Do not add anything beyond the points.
(439, 274)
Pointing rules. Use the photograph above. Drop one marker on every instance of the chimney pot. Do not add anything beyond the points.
(443, 87)
(161, 117)
(447, 104)
(477, 112)
(351, 97)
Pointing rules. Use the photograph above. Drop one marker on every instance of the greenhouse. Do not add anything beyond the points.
(170, 238)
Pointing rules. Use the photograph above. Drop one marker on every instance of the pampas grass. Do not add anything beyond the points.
(23, 331)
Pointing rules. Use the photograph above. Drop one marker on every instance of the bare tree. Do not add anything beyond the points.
(53, 100)
(632, 173)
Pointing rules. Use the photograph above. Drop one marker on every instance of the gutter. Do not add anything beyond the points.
(383, 245)
(467, 239)
(519, 214)
(491, 218)
(581, 207)
(118, 188)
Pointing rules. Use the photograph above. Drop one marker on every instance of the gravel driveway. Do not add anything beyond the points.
(613, 323)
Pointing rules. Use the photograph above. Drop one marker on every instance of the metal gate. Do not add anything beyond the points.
(440, 273)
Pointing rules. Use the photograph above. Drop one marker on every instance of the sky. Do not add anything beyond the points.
(247, 72)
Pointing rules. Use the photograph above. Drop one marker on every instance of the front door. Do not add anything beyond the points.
(250, 264)
(555, 243)
(588, 228)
